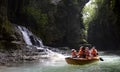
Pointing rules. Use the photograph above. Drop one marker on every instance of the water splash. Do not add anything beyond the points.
(55, 59)
(54, 56)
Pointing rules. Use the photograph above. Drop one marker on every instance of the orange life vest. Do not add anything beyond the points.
(80, 52)
(94, 52)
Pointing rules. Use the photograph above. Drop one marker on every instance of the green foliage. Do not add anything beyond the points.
(90, 11)
(47, 32)
(40, 18)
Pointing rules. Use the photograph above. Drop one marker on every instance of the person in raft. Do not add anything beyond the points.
(74, 53)
(81, 52)
(87, 52)
(94, 52)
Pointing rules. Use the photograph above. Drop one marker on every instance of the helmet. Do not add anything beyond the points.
(73, 50)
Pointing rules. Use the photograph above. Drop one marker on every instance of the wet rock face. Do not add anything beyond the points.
(9, 58)
(11, 39)
(6, 29)
(34, 41)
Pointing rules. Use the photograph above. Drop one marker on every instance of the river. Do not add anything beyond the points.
(111, 63)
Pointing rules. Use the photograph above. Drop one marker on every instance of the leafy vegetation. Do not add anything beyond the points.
(41, 18)
(90, 12)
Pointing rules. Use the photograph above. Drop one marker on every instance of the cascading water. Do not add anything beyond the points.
(33, 40)
(29, 38)
(24, 32)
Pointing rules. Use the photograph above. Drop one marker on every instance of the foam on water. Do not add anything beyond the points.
(54, 56)
(111, 63)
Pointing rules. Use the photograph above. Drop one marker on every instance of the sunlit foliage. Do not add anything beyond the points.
(90, 11)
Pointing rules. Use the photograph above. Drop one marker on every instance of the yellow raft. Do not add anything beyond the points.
(80, 61)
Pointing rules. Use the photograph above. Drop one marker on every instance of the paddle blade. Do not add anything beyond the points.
(101, 59)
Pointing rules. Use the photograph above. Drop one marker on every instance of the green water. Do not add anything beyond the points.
(111, 63)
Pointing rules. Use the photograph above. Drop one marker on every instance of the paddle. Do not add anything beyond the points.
(101, 59)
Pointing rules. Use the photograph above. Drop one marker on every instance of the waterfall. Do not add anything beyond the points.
(30, 39)
(33, 40)
(26, 37)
